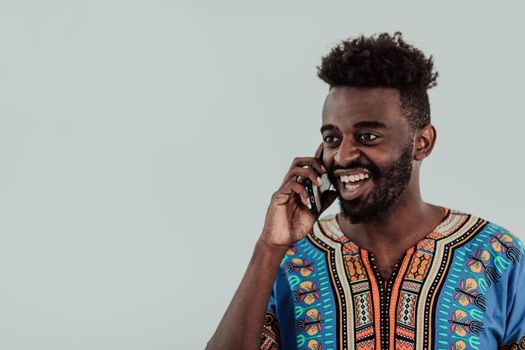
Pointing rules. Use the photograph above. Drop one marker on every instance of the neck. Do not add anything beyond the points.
(397, 229)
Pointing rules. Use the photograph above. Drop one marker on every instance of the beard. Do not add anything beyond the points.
(389, 185)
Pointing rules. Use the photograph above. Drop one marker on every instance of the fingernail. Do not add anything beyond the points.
(319, 181)
(322, 167)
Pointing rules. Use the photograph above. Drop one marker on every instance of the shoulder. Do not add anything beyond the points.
(482, 229)
(500, 237)
(491, 249)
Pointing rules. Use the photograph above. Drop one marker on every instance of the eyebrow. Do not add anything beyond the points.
(363, 124)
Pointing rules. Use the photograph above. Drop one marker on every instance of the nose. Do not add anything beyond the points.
(346, 154)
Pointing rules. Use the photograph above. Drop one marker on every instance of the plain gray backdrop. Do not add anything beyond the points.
(140, 142)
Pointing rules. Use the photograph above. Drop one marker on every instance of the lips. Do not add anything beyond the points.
(353, 183)
(349, 191)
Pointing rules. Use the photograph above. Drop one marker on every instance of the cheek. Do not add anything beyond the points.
(382, 161)
(380, 156)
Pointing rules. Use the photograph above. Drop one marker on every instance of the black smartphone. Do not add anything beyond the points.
(314, 191)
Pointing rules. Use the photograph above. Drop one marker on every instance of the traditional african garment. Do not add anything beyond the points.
(457, 288)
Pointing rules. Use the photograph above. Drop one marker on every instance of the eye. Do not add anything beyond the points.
(367, 137)
(330, 138)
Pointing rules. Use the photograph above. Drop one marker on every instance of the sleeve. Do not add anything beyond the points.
(279, 323)
(514, 337)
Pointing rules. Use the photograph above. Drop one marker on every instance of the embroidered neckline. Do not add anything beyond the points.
(329, 227)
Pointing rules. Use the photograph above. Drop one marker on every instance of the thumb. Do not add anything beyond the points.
(327, 198)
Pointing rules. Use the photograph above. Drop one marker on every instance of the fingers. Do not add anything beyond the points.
(303, 168)
(310, 162)
(294, 187)
(303, 173)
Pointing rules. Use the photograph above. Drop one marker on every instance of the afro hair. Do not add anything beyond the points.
(383, 60)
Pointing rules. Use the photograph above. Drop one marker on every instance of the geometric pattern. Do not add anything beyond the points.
(435, 298)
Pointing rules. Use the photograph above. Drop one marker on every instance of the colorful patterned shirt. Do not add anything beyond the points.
(456, 289)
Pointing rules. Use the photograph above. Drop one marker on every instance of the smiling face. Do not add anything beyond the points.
(368, 150)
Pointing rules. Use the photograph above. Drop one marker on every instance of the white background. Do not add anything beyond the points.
(140, 143)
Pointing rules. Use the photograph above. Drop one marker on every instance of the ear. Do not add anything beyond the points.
(424, 143)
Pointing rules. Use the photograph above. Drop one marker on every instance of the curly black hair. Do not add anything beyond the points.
(383, 60)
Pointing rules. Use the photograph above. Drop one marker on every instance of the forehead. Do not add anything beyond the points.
(349, 105)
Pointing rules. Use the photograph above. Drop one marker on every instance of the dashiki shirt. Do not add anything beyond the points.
(456, 289)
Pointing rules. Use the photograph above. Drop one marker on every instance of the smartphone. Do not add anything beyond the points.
(314, 193)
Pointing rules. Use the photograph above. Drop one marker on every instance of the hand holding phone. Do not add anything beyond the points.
(291, 214)
(315, 192)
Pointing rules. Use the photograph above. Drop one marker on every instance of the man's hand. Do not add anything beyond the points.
(288, 218)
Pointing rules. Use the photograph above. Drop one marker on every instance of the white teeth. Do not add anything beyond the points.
(351, 188)
(354, 178)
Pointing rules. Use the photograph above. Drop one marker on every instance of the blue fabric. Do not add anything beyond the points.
(458, 288)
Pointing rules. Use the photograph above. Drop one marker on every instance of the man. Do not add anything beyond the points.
(389, 271)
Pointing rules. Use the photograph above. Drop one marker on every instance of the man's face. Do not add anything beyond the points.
(368, 150)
